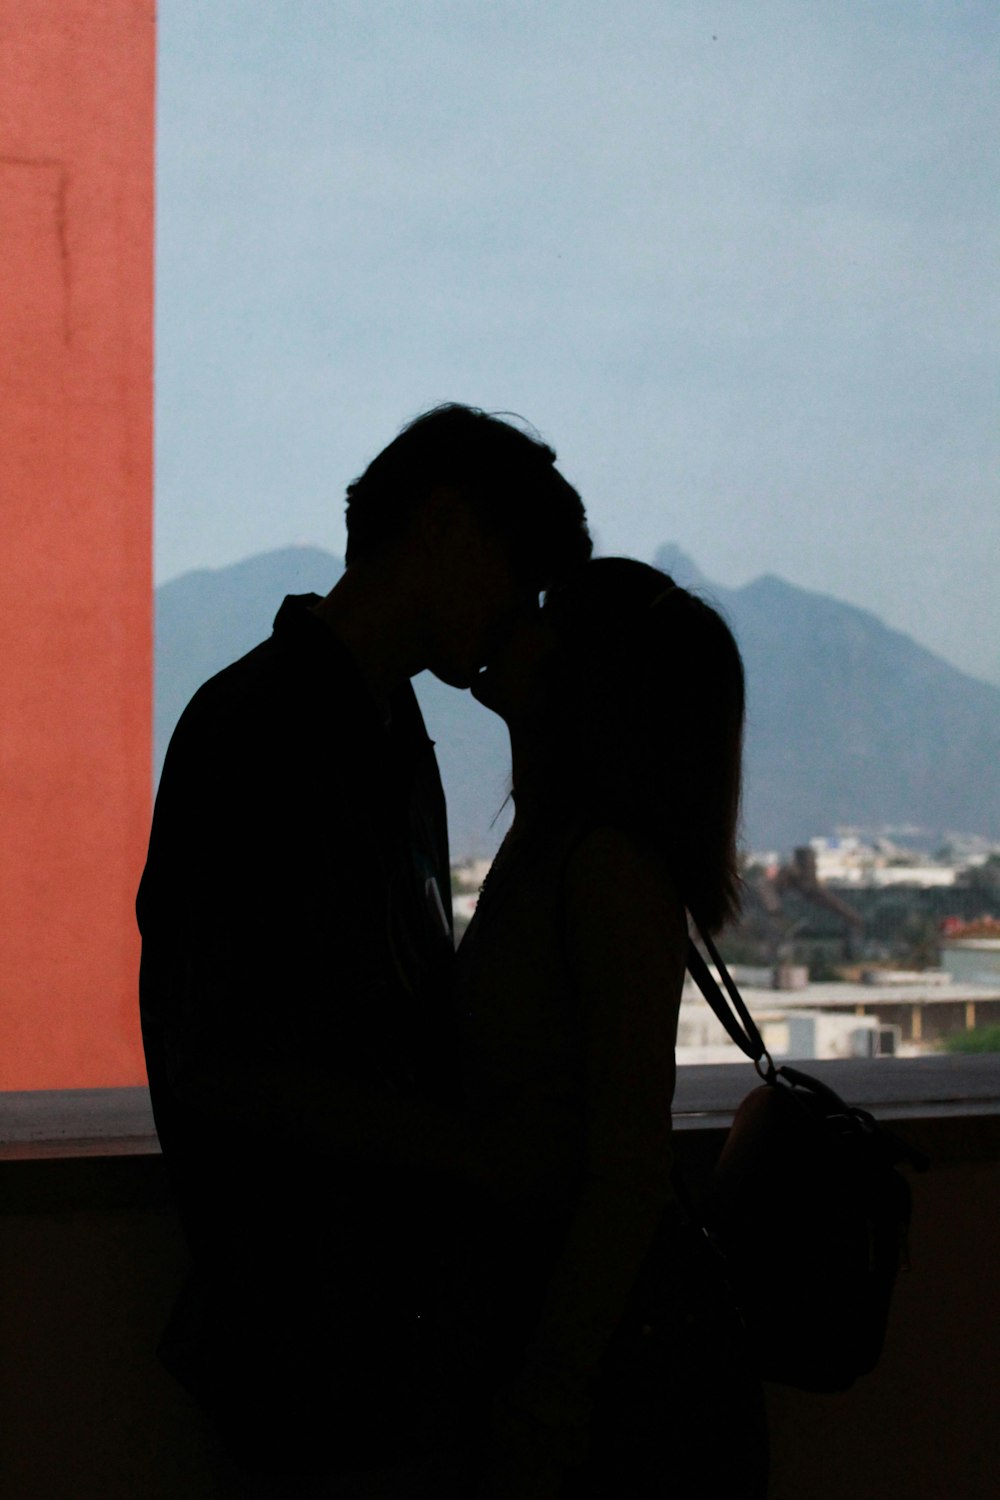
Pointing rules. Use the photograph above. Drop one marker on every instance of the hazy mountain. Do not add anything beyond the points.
(849, 722)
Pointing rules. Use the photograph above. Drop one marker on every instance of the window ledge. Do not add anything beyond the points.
(118, 1122)
(939, 1085)
(76, 1122)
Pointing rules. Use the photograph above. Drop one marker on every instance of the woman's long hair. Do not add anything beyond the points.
(646, 716)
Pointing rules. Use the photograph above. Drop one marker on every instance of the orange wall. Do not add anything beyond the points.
(76, 229)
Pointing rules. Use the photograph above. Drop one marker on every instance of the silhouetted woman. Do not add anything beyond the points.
(592, 1323)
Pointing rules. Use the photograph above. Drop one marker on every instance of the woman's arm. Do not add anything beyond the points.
(627, 938)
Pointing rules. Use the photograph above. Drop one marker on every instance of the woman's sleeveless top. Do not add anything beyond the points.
(521, 1035)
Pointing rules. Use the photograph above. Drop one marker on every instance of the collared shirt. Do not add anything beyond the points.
(296, 894)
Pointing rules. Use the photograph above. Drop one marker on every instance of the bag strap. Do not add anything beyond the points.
(732, 1013)
(744, 1033)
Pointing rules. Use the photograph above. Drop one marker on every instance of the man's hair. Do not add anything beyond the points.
(506, 476)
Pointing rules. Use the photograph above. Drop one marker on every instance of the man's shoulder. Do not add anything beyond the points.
(241, 699)
(295, 701)
(258, 673)
(294, 663)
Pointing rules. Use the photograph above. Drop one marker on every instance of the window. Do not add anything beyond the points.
(736, 268)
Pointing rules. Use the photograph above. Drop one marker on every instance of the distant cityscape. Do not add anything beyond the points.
(860, 944)
(861, 857)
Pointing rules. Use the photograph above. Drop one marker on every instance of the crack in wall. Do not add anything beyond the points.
(61, 210)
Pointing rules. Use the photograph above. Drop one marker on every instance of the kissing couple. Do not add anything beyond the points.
(435, 1248)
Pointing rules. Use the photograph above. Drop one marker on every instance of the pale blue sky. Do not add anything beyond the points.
(736, 261)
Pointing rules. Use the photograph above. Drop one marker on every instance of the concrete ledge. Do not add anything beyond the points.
(119, 1122)
(891, 1088)
(88, 1150)
(77, 1122)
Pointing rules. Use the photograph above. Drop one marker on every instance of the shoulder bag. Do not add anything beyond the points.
(808, 1209)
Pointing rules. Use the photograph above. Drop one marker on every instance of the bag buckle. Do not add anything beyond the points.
(765, 1067)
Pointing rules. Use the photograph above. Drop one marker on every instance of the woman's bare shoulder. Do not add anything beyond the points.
(607, 849)
(621, 877)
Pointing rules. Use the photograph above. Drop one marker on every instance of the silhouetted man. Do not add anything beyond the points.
(295, 915)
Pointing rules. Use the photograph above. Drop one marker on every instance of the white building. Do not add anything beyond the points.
(972, 960)
(846, 860)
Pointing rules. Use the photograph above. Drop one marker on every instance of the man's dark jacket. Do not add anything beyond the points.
(295, 918)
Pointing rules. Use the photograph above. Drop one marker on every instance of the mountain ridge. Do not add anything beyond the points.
(850, 722)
